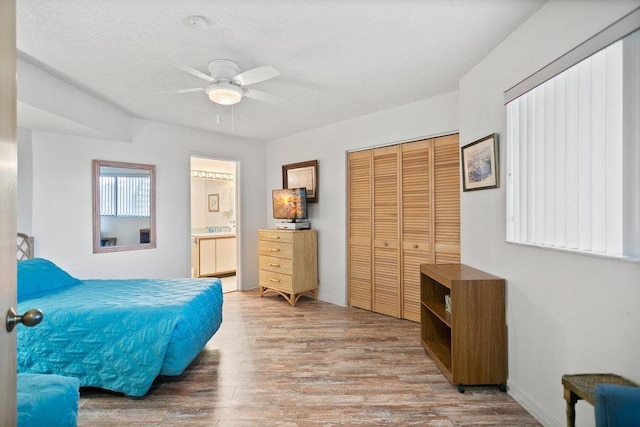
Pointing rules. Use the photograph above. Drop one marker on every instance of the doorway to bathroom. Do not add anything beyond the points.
(214, 226)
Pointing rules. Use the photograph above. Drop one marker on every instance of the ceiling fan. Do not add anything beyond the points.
(227, 84)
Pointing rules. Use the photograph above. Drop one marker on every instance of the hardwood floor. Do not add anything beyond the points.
(313, 365)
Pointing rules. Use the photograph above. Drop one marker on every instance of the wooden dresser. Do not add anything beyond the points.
(288, 263)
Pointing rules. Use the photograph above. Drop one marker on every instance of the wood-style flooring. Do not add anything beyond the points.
(313, 365)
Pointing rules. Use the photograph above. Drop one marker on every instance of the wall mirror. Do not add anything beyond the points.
(124, 206)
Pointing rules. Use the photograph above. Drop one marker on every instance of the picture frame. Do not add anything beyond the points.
(302, 174)
(214, 203)
(479, 164)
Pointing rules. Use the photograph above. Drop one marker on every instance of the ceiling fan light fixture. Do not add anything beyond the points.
(224, 93)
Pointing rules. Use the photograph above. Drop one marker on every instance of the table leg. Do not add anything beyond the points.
(571, 399)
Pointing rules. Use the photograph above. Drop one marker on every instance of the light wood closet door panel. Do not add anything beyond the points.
(403, 211)
(416, 220)
(359, 239)
(386, 255)
(447, 199)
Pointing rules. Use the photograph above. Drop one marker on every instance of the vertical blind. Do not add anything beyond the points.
(125, 196)
(570, 154)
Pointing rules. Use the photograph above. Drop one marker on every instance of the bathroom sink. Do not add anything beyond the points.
(215, 234)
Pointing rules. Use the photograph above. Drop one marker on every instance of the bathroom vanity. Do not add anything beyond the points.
(213, 254)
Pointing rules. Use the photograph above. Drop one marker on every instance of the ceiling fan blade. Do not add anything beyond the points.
(193, 72)
(256, 75)
(266, 97)
(193, 89)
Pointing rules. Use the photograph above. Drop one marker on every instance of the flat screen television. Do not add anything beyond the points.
(290, 204)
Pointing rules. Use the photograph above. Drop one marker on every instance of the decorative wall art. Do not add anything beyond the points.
(480, 164)
(302, 174)
(214, 202)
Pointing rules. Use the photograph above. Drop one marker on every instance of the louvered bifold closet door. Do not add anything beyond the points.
(447, 199)
(386, 255)
(359, 228)
(416, 222)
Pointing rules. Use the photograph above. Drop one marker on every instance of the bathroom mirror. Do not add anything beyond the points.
(124, 206)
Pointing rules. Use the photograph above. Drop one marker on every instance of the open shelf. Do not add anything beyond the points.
(436, 339)
(439, 311)
(441, 355)
(468, 344)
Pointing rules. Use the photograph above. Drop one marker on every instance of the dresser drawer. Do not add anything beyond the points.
(275, 236)
(280, 250)
(278, 265)
(274, 280)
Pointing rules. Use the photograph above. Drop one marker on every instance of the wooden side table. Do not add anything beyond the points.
(581, 386)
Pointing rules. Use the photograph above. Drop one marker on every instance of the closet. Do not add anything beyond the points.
(403, 205)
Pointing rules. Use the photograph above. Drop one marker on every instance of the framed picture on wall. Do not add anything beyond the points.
(214, 202)
(302, 174)
(480, 164)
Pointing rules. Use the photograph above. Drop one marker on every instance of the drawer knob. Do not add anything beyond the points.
(274, 265)
(274, 280)
(274, 249)
(274, 237)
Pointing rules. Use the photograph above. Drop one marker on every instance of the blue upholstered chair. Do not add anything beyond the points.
(617, 406)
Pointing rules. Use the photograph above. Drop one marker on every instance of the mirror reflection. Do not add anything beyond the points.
(123, 206)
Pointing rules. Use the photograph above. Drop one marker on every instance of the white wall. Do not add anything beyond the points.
(329, 145)
(39, 94)
(566, 313)
(62, 198)
(25, 181)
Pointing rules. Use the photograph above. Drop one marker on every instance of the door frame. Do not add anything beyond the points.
(237, 206)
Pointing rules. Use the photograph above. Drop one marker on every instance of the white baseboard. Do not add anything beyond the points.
(249, 287)
(541, 414)
(331, 300)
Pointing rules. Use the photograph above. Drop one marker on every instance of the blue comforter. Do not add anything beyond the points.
(47, 400)
(120, 334)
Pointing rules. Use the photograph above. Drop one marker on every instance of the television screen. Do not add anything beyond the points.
(290, 204)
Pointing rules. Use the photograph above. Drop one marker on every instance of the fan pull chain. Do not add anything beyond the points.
(232, 131)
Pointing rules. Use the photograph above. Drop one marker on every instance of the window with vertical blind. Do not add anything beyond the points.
(573, 151)
(125, 196)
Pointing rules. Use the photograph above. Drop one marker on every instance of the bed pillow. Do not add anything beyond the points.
(39, 276)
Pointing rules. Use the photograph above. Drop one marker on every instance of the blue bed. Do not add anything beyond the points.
(47, 400)
(114, 334)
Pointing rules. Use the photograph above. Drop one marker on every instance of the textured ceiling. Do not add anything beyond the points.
(337, 59)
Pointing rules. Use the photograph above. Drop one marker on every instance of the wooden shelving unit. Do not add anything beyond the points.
(469, 343)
